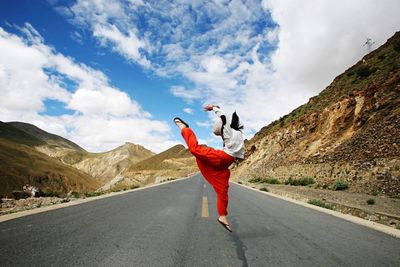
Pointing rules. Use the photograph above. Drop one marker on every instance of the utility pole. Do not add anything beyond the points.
(369, 44)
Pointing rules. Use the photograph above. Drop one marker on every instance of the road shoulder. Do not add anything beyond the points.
(78, 201)
(373, 225)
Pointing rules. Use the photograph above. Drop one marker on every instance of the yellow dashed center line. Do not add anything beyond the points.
(204, 208)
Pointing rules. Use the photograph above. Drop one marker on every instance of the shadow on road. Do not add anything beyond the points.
(240, 247)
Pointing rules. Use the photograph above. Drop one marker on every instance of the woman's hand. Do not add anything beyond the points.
(209, 107)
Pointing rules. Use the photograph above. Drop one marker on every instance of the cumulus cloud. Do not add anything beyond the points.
(102, 117)
(22, 67)
(187, 94)
(188, 110)
(109, 22)
(262, 58)
(128, 45)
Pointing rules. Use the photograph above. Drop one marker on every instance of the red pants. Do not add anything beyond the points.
(213, 165)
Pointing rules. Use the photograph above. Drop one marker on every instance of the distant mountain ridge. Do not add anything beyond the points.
(31, 155)
(102, 166)
(105, 166)
(172, 163)
(349, 132)
(21, 163)
(49, 138)
(14, 134)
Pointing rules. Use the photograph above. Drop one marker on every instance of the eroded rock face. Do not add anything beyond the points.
(102, 166)
(350, 132)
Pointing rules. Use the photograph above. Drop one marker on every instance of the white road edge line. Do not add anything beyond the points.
(373, 225)
(24, 213)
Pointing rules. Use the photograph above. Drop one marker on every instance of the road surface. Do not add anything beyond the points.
(175, 225)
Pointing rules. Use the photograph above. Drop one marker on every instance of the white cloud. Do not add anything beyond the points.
(188, 110)
(105, 19)
(77, 37)
(318, 40)
(206, 124)
(188, 95)
(214, 64)
(127, 45)
(21, 69)
(231, 53)
(105, 101)
(104, 116)
(109, 132)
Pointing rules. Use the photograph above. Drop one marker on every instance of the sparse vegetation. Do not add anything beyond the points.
(371, 201)
(272, 181)
(381, 57)
(49, 193)
(396, 46)
(76, 194)
(65, 200)
(115, 189)
(74, 157)
(265, 181)
(94, 194)
(300, 182)
(320, 203)
(340, 185)
(364, 71)
(255, 180)
(123, 187)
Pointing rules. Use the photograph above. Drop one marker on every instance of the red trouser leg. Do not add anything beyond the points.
(213, 165)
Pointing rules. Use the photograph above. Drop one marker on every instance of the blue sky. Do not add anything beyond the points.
(105, 72)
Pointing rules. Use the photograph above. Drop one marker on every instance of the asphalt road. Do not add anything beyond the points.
(163, 226)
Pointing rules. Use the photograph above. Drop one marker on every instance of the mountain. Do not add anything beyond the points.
(102, 166)
(20, 164)
(48, 138)
(13, 134)
(29, 153)
(349, 132)
(106, 166)
(173, 163)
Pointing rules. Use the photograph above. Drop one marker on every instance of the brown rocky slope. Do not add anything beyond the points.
(21, 164)
(349, 132)
(30, 155)
(101, 166)
(173, 163)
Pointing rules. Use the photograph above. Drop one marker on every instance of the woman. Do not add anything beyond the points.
(214, 163)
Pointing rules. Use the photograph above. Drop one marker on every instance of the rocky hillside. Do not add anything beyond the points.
(173, 163)
(106, 166)
(48, 139)
(350, 131)
(102, 166)
(21, 164)
(35, 145)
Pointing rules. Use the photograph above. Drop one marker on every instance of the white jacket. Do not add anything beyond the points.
(233, 140)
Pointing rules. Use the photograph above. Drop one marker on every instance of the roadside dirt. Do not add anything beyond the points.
(385, 210)
(8, 205)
